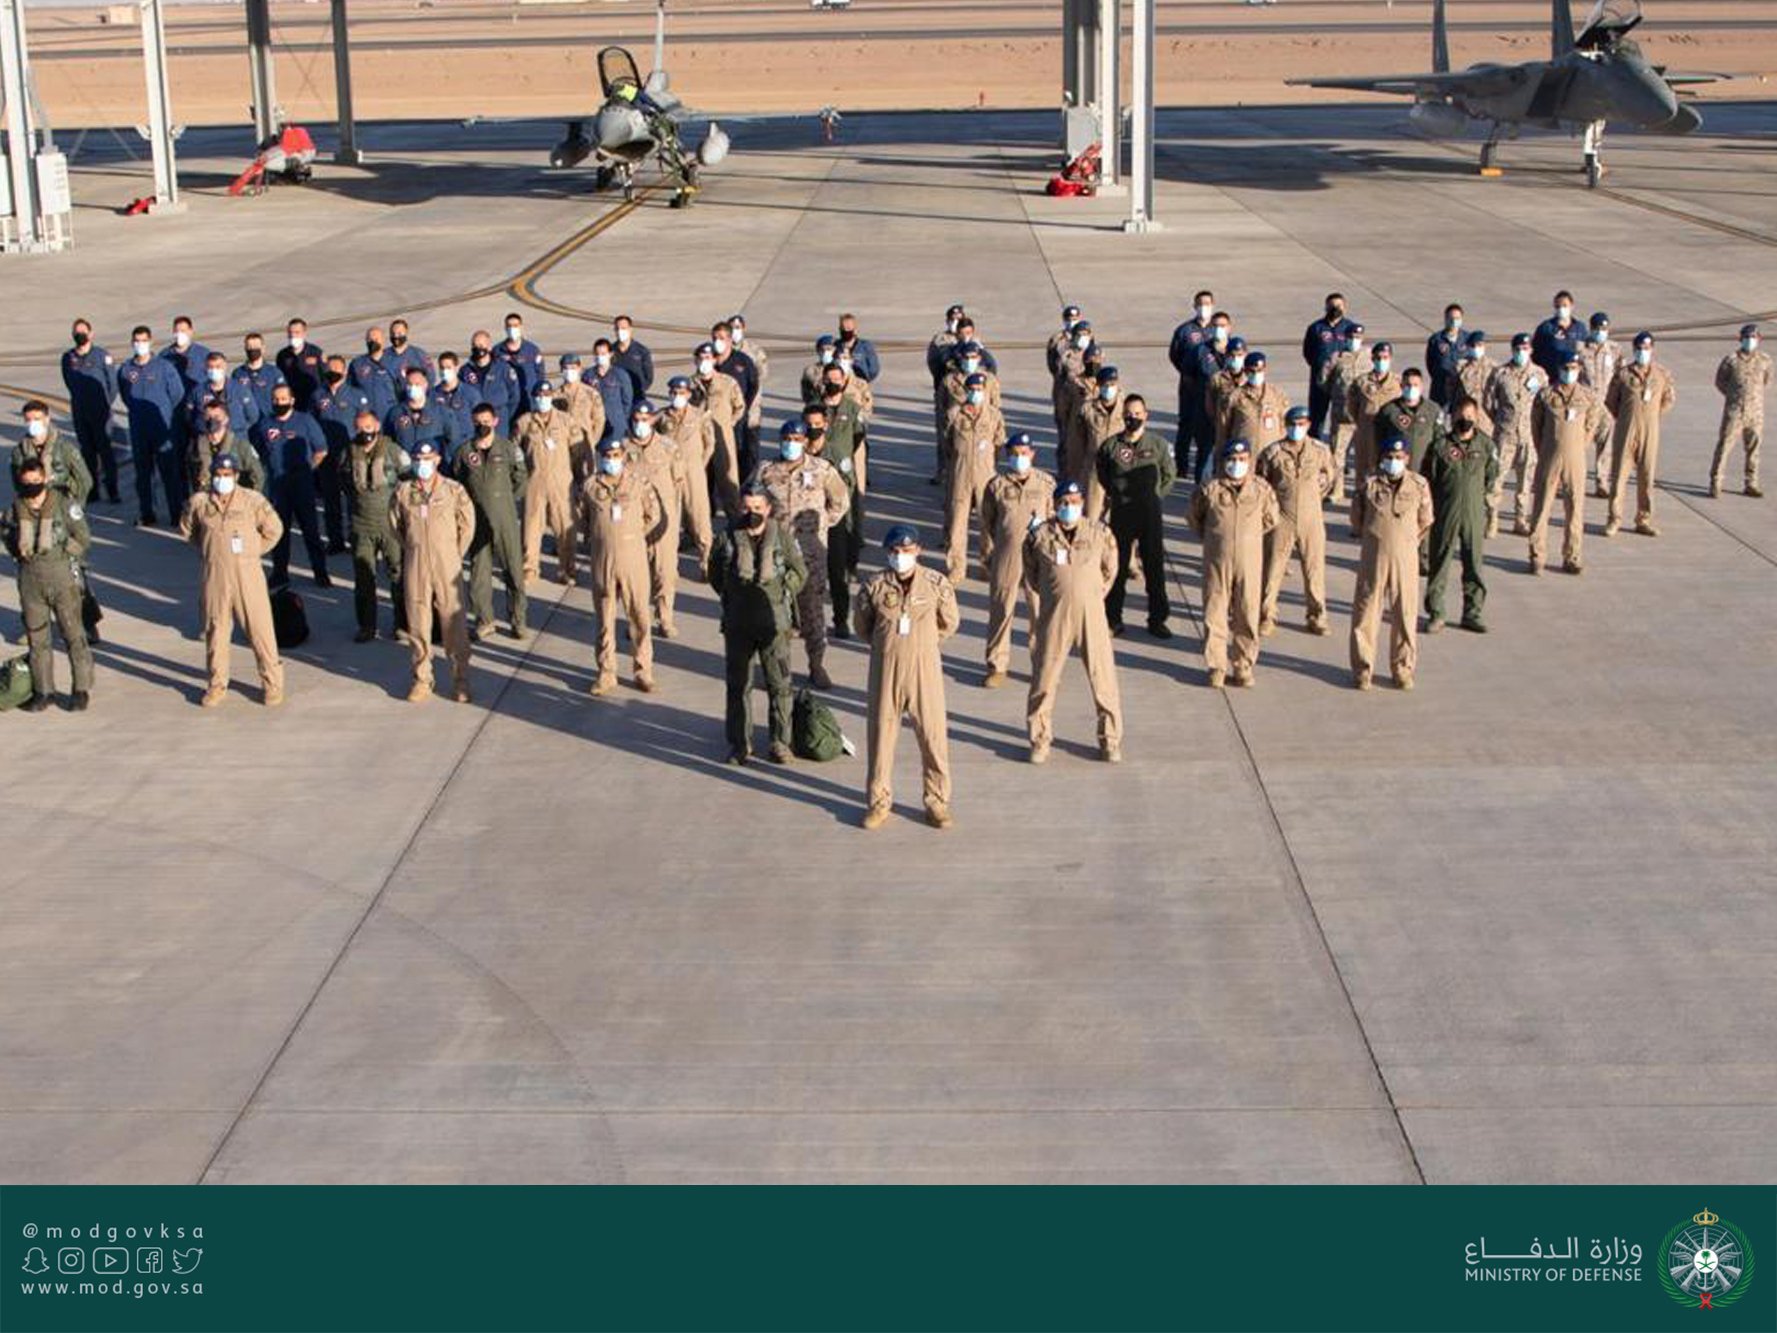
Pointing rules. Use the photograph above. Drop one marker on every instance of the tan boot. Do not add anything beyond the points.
(214, 697)
(876, 816)
(938, 816)
(419, 692)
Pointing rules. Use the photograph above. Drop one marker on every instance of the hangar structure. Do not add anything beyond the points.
(33, 181)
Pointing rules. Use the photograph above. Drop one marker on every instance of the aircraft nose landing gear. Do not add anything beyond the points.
(1592, 151)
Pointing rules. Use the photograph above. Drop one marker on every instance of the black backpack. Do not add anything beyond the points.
(289, 620)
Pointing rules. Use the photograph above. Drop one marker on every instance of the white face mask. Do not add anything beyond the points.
(298, 342)
(1476, 352)
(1749, 344)
(1520, 356)
(216, 374)
(1564, 313)
(1644, 355)
(1453, 323)
(971, 364)
(706, 367)
(222, 485)
(1237, 362)
(1569, 375)
(740, 336)
(1108, 392)
(681, 401)
(602, 361)
(902, 562)
(611, 465)
(514, 334)
(571, 374)
(1355, 344)
(1600, 336)
(1297, 432)
(1393, 466)
(1083, 341)
(1410, 393)
(642, 429)
(182, 339)
(1069, 514)
(1256, 379)
(141, 347)
(826, 355)
(1237, 468)
(543, 404)
(721, 345)
(790, 451)
(1019, 463)
(425, 469)
(1382, 364)
(976, 397)
(1205, 312)
(37, 428)
(416, 394)
(623, 336)
(1219, 336)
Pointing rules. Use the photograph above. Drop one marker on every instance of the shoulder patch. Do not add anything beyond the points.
(76, 513)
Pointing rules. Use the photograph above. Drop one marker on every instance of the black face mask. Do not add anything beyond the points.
(364, 436)
(483, 432)
(217, 427)
(334, 377)
(255, 355)
(30, 490)
(398, 339)
(373, 347)
(754, 518)
(82, 339)
(1335, 312)
(834, 390)
(282, 410)
(481, 356)
(1135, 425)
(1464, 429)
(816, 434)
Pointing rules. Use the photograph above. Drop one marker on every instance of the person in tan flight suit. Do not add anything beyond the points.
(1368, 395)
(1069, 562)
(1511, 394)
(938, 352)
(548, 438)
(1254, 410)
(1220, 385)
(1233, 513)
(1067, 360)
(1016, 500)
(905, 613)
(1300, 470)
(1096, 418)
(972, 437)
(648, 452)
(234, 528)
(434, 520)
(719, 397)
(694, 435)
(1640, 394)
(965, 365)
(808, 496)
(1567, 418)
(1600, 357)
(621, 511)
(1391, 512)
(1338, 373)
(584, 404)
(1741, 380)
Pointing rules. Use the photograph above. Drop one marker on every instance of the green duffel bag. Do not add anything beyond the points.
(15, 683)
(814, 731)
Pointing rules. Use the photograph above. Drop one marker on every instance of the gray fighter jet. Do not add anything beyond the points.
(1599, 77)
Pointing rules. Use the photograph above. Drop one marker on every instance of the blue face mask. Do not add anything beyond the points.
(790, 450)
(1069, 514)
(1393, 467)
(543, 403)
(425, 469)
(611, 465)
(1296, 432)
(1569, 375)
(1019, 463)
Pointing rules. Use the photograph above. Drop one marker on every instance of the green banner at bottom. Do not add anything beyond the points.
(1162, 1257)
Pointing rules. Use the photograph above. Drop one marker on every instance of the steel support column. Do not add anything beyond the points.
(1110, 77)
(1141, 123)
(347, 151)
(160, 105)
(259, 61)
(21, 144)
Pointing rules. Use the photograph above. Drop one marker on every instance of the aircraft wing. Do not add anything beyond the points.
(1474, 82)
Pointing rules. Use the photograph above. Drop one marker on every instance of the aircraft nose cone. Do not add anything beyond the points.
(1653, 102)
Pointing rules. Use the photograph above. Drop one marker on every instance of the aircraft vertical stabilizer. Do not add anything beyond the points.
(1560, 29)
(1440, 39)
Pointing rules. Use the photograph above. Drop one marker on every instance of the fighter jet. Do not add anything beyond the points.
(637, 120)
(1599, 77)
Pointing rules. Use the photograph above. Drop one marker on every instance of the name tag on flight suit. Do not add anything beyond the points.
(1061, 555)
(905, 624)
(236, 545)
(549, 442)
(1573, 414)
(1647, 395)
(425, 511)
(616, 513)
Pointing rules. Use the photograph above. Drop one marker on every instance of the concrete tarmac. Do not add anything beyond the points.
(1516, 926)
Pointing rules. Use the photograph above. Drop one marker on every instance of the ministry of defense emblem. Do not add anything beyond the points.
(1705, 1263)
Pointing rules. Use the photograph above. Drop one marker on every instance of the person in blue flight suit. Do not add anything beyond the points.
(153, 391)
(419, 418)
(369, 373)
(302, 364)
(404, 355)
(90, 376)
(455, 395)
(615, 389)
(234, 394)
(187, 355)
(632, 356)
(259, 375)
(1443, 358)
(1556, 336)
(1321, 342)
(1186, 354)
(864, 362)
(494, 380)
(524, 356)
(335, 410)
(292, 446)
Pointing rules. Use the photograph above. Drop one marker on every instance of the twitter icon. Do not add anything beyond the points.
(186, 1260)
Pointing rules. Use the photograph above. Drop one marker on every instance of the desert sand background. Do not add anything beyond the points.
(434, 59)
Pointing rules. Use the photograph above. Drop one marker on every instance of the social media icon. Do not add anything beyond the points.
(148, 1260)
(186, 1260)
(110, 1259)
(70, 1259)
